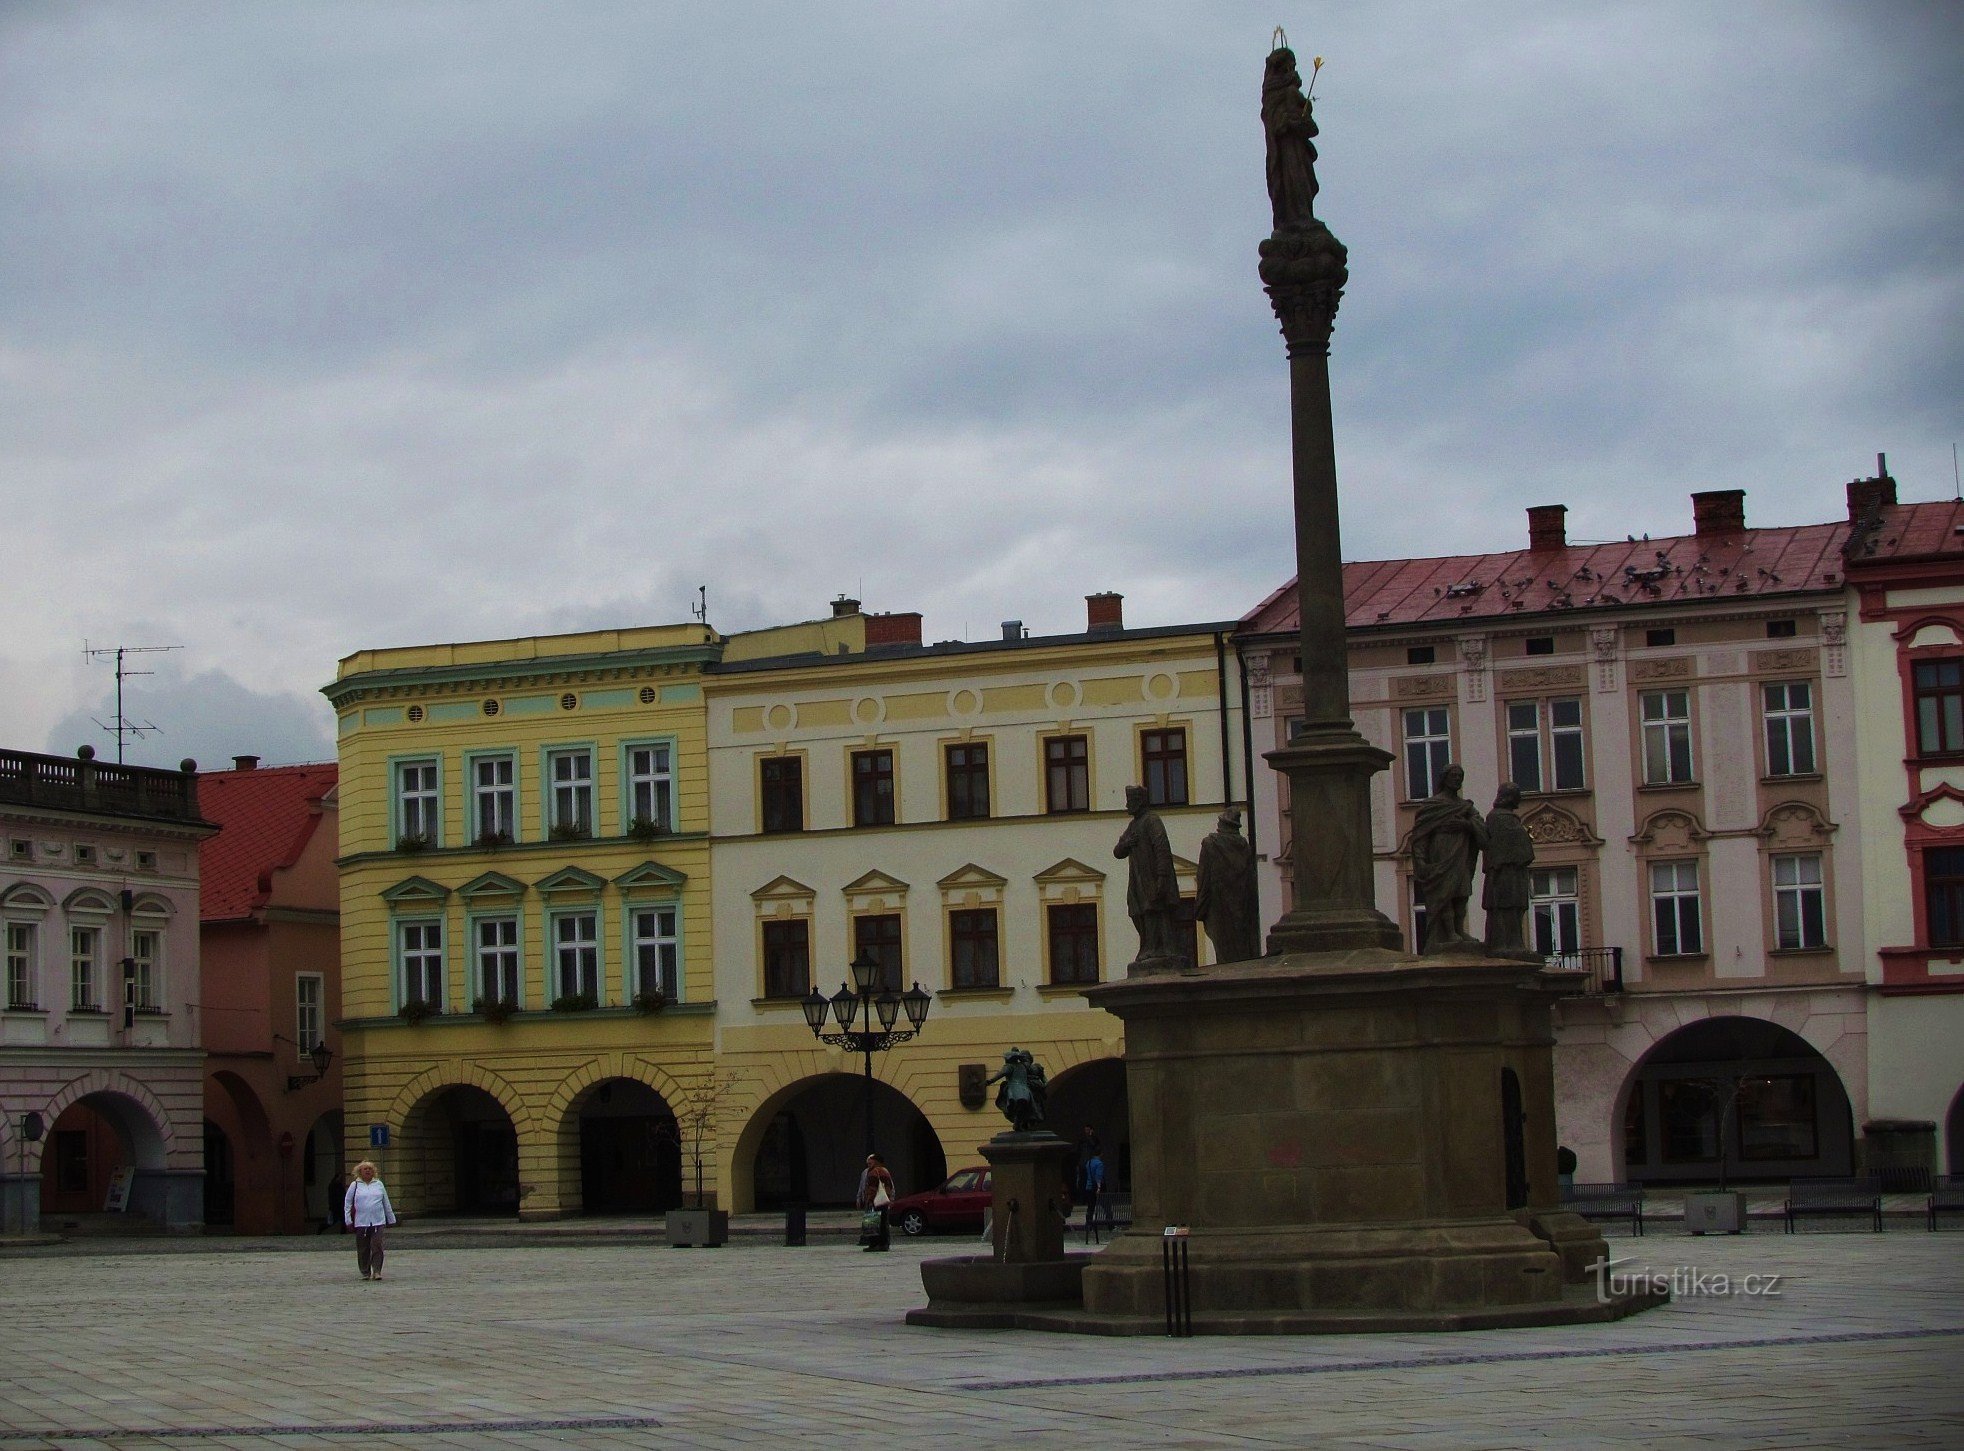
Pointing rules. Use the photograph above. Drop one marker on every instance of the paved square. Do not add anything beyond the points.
(274, 1344)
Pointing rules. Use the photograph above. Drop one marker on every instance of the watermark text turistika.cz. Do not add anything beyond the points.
(1681, 1282)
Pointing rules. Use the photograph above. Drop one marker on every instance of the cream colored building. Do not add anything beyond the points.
(951, 809)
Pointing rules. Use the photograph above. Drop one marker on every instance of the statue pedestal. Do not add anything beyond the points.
(1356, 1141)
(1030, 1202)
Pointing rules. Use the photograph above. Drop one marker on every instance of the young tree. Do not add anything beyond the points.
(700, 1112)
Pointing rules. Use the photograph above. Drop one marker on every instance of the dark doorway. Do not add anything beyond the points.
(468, 1151)
(220, 1177)
(630, 1160)
(1513, 1136)
(1092, 1096)
(781, 1176)
(822, 1148)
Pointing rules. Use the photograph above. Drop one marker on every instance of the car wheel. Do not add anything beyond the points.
(913, 1222)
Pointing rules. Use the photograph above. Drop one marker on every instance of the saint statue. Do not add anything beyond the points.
(1224, 897)
(1289, 125)
(1447, 840)
(1152, 892)
(1509, 855)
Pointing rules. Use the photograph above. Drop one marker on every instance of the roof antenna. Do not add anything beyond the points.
(1957, 488)
(700, 609)
(123, 725)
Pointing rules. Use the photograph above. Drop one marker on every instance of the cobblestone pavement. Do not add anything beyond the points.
(758, 1345)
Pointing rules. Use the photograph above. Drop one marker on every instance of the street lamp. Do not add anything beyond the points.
(320, 1055)
(856, 1003)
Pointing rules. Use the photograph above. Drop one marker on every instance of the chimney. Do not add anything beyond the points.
(1548, 527)
(1012, 629)
(1719, 511)
(1104, 612)
(903, 628)
(1865, 496)
(245, 763)
(843, 606)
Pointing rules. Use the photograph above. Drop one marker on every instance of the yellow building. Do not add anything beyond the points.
(950, 810)
(527, 934)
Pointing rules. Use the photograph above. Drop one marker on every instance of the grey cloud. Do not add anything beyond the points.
(208, 717)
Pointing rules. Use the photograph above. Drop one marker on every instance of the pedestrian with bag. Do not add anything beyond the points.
(875, 1194)
(1091, 1184)
(367, 1209)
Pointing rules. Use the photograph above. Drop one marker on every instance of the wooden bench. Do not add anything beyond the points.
(1606, 1201)
(1946, 1195)
(1834, 1196)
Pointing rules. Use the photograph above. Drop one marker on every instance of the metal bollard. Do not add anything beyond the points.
(794, 1224)
(1177, 1274)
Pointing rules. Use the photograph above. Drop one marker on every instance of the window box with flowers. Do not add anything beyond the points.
(575, 1003)
(494, 1010)
(415, 1010)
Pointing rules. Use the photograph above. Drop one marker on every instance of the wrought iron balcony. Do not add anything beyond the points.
(81, 783)
(1604, 966)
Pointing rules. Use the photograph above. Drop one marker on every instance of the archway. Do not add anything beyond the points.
(221, 1179)
(323, 1173)
(807, 1143)
(629, 1152)
(465, 1150)
(251, 1188)
(101, 1145)
(1954, 1135)
(1092, 1095)
(1748, 1092)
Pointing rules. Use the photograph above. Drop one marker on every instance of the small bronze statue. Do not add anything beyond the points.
(1288, 121)
(1152, 891)
(1509, 855)
(1225, 895)
(1021, 1096)
(1446, 843)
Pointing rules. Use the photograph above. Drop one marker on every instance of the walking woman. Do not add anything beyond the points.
(368, 1212)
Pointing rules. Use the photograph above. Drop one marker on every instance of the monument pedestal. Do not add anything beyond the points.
(1356, 1141)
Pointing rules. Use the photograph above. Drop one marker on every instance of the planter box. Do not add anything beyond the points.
(1714, 1213)
(709, 1227)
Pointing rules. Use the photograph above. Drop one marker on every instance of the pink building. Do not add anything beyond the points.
(100, 1064)
(270, 903)
(1680, 715)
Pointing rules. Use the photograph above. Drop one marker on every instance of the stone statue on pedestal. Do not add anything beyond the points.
(1021, 1097)
(1509, 855)
(1224, 897)
(1446, 843)
(1152, 891)
(1289, 125)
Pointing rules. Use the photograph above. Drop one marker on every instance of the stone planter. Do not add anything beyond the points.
(1713, 1212)
(707, 1227)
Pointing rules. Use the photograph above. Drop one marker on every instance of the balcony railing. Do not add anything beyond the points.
(1604, 966)
(79, 783)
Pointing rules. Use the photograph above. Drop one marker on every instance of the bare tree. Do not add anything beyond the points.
(700, 1112)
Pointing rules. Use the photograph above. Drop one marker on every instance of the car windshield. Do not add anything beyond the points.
(961, 1183)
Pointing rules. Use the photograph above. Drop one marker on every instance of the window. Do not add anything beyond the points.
(1539, 645)
(1674, 908)
(650, 787)
(968, 781)
(782, 786)
(1544, 744)
(497, 959)
(1781, 629)
(84, 958)
(1799, 903)
(1428, 749)
(972, 942)
(1939, 687)
(787, 958)
(1943, 895)
(571, 773)
(1789, 728)
(1777, 1119)
(1666, 736)
(880, 937)
(1419, 654)
(71, 1150)
(1665, 636)
(20, 965)
(872, 788)
(1073, 930)
(309, 1010)
(1067, 773)
(146, 950)
(494, 800)
(657, 952)
(1164, 756)
(576, 947)
(84, 854)
(422, 962)
(1555, 911)
(416, 802)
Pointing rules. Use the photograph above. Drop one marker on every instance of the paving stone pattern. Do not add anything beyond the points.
(639, 1345)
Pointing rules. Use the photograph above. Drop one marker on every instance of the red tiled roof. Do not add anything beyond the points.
(1579, 577)
(1913, 531)
(265, 817)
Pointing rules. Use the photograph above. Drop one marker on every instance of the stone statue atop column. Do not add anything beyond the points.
(1288, 121)
(1225, 895)
(1152, 891)
(1447, 840)
(1509, 856)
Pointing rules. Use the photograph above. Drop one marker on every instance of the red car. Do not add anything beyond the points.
(962, 1202)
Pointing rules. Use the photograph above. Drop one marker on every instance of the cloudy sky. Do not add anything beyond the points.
(326, 326)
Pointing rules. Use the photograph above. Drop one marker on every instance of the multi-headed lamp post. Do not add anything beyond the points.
(856, 1002)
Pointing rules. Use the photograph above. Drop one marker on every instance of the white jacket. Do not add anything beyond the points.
(367, 1206)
